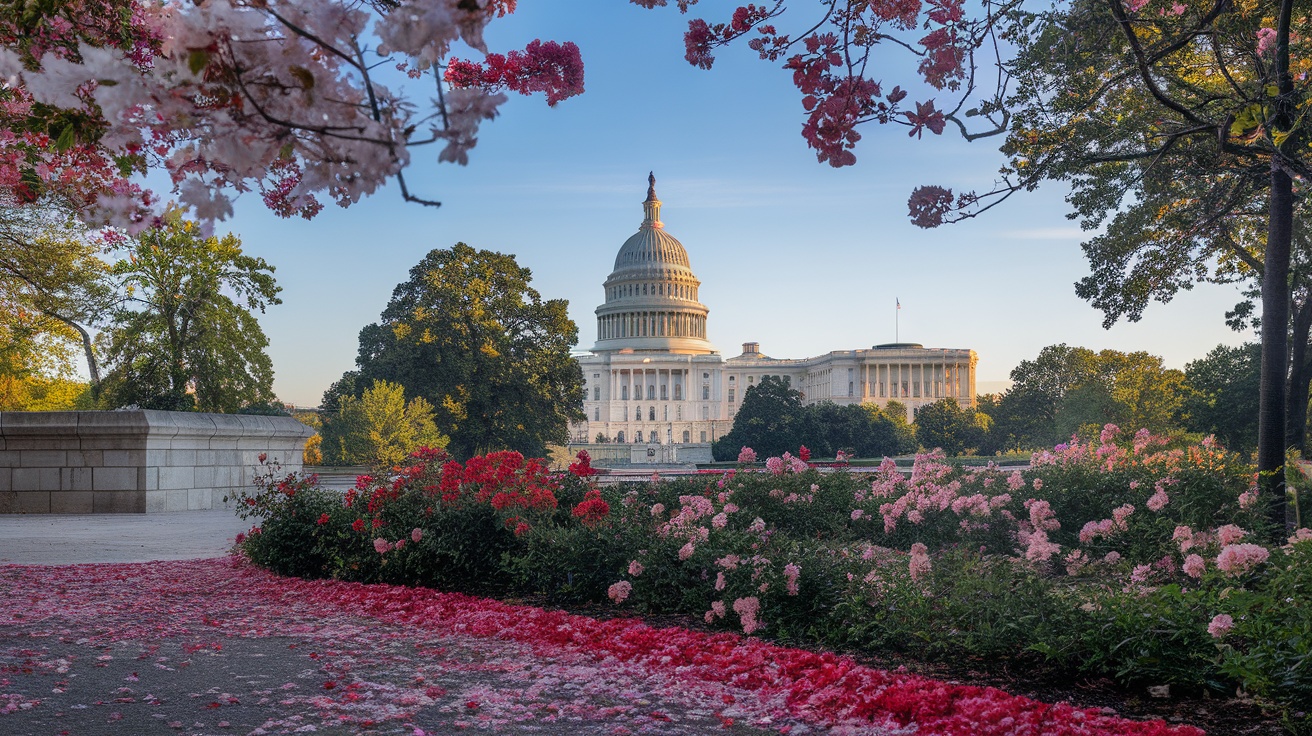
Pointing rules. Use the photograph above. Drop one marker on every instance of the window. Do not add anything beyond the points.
(687, 436)
(624, 392)
(706, 412)
(706, 376)
(678, 413)
(651, 413)
(651, 393)
(665, 390)
(849, 388)
(665, 412)
(703, 436)
(905, 392)
(731, 394)
(678, 392)
(626, 414)
(596, 415)
(596, 393)
(751, 379)
(620, 437)
(883, 389)
(637, 437)
(706, 393)
(915, 388)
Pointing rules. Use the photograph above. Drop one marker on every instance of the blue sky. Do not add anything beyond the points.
(794, 254)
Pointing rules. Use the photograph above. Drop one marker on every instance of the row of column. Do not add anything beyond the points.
(899, 380)
(625, 384)
(679, 291)
(651, 324)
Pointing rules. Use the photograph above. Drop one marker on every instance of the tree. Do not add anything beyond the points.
(51, 274)
(469, 334)
(182, 342)
(379, 428)
(278, 97)
(946, 424)
(1221, 395)
(771, 421)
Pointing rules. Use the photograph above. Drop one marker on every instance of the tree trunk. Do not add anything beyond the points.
(93, 368)
(1275, 339)
(1300, 374)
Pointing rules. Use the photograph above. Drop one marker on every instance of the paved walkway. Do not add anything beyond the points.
(64, 539)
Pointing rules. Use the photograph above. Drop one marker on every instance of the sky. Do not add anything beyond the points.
(791, 253)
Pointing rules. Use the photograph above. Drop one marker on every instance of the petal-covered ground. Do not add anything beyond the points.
(220, 647)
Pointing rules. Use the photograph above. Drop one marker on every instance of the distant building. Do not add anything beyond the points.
(653, 378)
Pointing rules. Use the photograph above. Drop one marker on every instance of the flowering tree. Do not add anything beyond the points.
(1179, 125)
(295, 99)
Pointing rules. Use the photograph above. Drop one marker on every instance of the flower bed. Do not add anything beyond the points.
(1127, 557)
(351, 632)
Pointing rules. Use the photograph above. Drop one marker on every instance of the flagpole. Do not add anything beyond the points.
(897, 315)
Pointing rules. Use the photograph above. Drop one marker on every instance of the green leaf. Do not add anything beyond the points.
(197, 60)
(66, 139)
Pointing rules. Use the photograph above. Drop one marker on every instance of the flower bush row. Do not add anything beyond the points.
(1124, 557)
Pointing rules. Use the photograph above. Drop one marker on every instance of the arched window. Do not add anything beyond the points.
(637, 437)
(651, 413)
(620, 437)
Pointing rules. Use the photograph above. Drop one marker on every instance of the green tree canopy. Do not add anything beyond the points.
(946, 424)
(379, 428)
(469, 334)
(1221, 396)
(187, 339)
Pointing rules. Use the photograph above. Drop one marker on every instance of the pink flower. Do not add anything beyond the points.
(416, 534)
(1194, 565)
(746, 455)
(1140, 573)
(619, 591)
(686, 551)
(1112, 557)
(1221, 625)
(635, 568)
(381, 545)
(657, 509)
(1040, 549)
(1184, 536)
(1237, 559)
(1301, 534)
(720, 520)
(719, 580)
(1229, 534)
(920, 565)
(747, 608)
(1075, 561)
(1158, 500)
(1247, 499)
(775, 465)
(1121, 513)
(791, 573)
(1109, 432)
(1266, 40)
(857, 514)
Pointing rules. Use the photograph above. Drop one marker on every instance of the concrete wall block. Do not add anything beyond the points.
(118, 502)
(86, 458)
(178, 458)
(44, 458)
(150, 478)
(43, 442)
(116, 479)
(171, 478)
(6, 479)
(21, 502)
(155, 502)
(8, 458)
(124, 458)
(175, 500)
(29, 480)
(72, 502)
(75, 479)
(199, 499)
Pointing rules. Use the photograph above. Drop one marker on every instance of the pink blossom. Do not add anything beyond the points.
(1040, 549)
(1109, 431)
(1237, 559)
(416, 534)
(1194, 566)
(920, 564)
(757, 526)
(729, 562)
(720, 582)
(720, 520)
(791, 573)
(1248, 498)
(619, 591)
(1121, 513)
(1140, 573)
(686, 551)
(1221, 625)
(747, 608)
(1266, 40)
(1229, 534)
(775, 465)
(657, 509)
(635, 568)
(1038, 484)
(857, 514)
(1112, 557)
(1184, 536)
(381, 545)
(746, 455)
(1301, 534)
(1075, 561)
(1158, 500)
(718, 608)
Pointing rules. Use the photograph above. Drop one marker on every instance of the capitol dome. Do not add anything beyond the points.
(651, 295)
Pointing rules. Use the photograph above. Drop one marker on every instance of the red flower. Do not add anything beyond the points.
(804, 453)
(358, 525)
(323, 519)
(593, 509)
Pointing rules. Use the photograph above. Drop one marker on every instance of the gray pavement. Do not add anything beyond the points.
(63, 539)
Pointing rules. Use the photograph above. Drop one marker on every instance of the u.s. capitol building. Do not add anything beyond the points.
(654, 380)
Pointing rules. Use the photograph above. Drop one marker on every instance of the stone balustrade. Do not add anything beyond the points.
(142, 461)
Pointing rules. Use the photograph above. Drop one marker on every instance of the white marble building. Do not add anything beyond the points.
(653, 378)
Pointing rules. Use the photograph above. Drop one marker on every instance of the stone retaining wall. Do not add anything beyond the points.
(82, 462)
